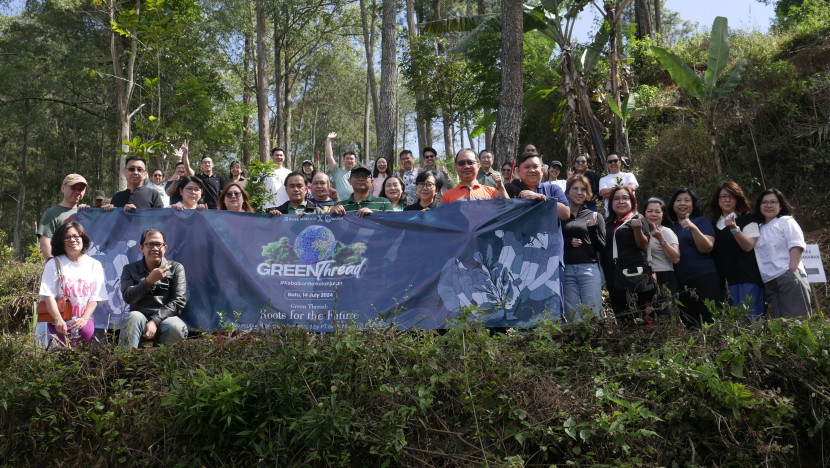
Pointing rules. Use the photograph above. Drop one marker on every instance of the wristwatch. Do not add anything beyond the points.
(735, 230)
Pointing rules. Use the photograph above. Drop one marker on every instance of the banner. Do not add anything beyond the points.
(404, 269)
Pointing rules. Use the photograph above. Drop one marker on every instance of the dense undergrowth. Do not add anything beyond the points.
(732, 393)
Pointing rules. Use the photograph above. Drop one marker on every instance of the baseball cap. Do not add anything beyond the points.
(556, 163)
(73, 179)
(361, 168)
(99, 195)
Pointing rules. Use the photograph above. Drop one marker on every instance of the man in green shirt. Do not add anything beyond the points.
(361, 199)
(485, 170)
(297, 203)
(73, 189)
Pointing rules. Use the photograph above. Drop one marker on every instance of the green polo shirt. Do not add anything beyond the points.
(371, 202)
(485, 179)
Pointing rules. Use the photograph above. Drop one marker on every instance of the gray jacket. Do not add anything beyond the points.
(166, 298)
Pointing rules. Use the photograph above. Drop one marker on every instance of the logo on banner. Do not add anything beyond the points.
(315, 253)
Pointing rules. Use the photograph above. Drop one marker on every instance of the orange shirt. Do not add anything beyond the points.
(476, 192)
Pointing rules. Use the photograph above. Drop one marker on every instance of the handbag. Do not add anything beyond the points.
(64, 306)
(636, 278)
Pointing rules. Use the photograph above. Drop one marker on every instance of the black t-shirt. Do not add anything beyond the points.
(175, 198)
(417, 205)
(735, 265)
(593, 238)
(213, 187)
(628, 254)
(142, 197)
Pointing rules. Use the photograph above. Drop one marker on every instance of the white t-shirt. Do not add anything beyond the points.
(612, 180)
(275, 184)
(165, 199)
(82, 282)
(772, 251)
(659, 261)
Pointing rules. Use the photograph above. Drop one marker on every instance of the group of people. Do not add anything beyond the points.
(739, 254)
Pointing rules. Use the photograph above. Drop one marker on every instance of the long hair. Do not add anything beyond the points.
(389, 170)
(57, 239)
(579, 178)
(403, 200)
(786, 208)
(628, 192)
(697, 207)
(246, 204)
(741, 203)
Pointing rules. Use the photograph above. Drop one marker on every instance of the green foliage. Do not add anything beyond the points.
(19, 284)
(257, 190)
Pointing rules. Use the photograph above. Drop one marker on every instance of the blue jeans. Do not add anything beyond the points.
(738, 295)
(172, 329)
(583, 285)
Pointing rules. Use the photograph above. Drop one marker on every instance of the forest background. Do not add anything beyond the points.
(84, 83)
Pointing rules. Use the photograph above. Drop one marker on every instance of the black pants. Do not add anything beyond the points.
(625, 310)
(693, 292)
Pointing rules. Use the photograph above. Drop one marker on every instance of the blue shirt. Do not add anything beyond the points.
(551, 191)
(692, 262)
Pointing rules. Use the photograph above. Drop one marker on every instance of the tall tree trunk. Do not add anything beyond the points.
(369, 47)
(613, 58)
(642, 16)
(506, 139)
(124, 86)
(262, 83)
(386, 119)
(658, 19)
(420, 98)
(287, 109)
(367, 116)
(246, 101)
(278, 132)
(21, 185)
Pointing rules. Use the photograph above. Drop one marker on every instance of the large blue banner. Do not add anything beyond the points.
(406, 269)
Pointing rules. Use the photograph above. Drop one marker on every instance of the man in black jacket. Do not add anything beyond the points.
(156, 289)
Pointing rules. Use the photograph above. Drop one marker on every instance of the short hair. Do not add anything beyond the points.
(485, 151)
(666, 221)
(430, 149)
(274, 150)
(405, 152)
(423, 176)
(786, 208)
(741, 203)
(628, 192)
(579, 178)
(246, 203)
(206, 156)
(697, 207)
(180, 163)
(147, 232)
(475, 155)
(159, 170)
(293, 174)
(135, 158)
(186, 180)
(524, 157)
(350, 152)
(403, 200)
(508, 163)
(57, 239)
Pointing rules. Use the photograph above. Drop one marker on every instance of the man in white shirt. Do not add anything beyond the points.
(615, 177)
(275, 183)
(156, 182)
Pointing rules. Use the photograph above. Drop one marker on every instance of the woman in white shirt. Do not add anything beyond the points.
(81, 282)
(778, 252)
(664, 250)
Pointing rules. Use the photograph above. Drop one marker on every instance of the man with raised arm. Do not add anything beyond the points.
(156, 290)
(339, 176)
(466, 165)
(361, 199)
(297, 203)
(137, 195)
(182, 169)
(321, 191)
(275, 182)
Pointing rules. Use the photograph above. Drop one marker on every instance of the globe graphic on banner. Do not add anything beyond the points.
(314, 244)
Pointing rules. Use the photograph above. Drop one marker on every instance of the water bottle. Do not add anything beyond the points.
(74, 334)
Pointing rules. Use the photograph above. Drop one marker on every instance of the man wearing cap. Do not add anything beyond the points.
(297, 203)
(98, 199)
(73, 189)
(466, 165)
(321, 192)
(275, 182)
(615, 177)
(340, 177)
(361, 199)
(485, 170)
(137, 196)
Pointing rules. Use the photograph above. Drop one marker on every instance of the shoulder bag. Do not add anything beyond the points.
(64, 306)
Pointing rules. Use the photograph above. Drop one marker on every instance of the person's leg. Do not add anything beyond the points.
(42, 334)
(173, 330)
(706, 286)
(793, 298)
(570, 286)
(132, 327)
(59, 339)
(590, 287)
(749, 294)
(86, 332)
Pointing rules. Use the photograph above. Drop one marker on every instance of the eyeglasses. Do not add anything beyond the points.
(154, 245)
(465, 163)
(613, 161)
(233, 194)
(71, 238)
(135, 169)
(580, 162)
(616, 199)
(158, 174)
(427, 185)
(429, 156)
(769, 202)
(192, 189)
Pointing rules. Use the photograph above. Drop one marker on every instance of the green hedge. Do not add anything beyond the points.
(732, 393)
